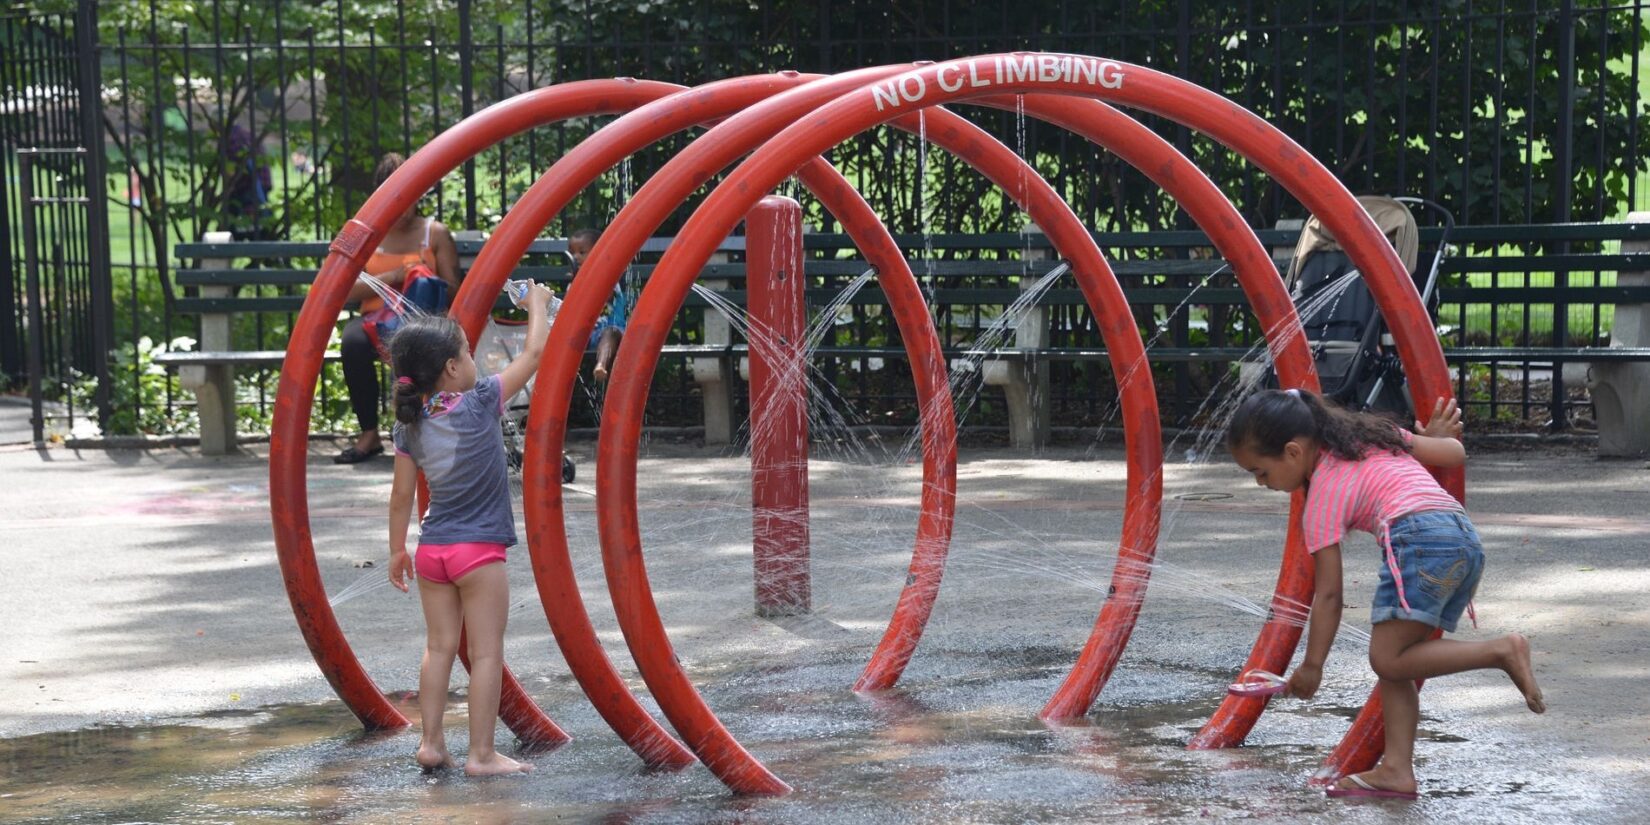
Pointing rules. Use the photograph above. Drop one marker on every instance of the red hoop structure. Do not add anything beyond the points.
(289, 431)
(787, 120)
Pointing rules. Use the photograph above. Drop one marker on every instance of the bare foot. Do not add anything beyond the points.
(1516, 661)
(495, 765)
(601, 374)
(434, 758)
(1383, 777)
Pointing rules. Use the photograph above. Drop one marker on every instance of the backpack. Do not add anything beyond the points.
(422, 293)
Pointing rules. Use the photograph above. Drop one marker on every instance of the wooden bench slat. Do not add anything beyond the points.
(1166, 239)
(1607, 262)
(1636, 262)
(1545, 294)
(319, 249)
(815, 268)
(232, 358)
(1546, 354)
(1002, 296)
(246, 277)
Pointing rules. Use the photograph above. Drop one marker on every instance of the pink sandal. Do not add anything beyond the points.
(1258, 683)
(1364, 790)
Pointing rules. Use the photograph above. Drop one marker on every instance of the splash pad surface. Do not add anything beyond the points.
(135, 721)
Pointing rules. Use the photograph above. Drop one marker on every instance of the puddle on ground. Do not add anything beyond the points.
(962, 748)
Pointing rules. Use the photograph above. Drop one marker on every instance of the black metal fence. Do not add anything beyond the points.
(266, 118)
(55, 300)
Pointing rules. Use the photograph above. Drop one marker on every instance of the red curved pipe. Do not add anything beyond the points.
(1322, 194)
(934, 410)
(546, 526)
(626, 398)
(1141, 423)
(289, 432)
(1420, 381)
(1123, 83)
(1143, 149)
(585, 297)
(899, 641)
(1294, 168)
(1084, 683)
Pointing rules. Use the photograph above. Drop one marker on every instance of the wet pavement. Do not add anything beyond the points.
(153, 673)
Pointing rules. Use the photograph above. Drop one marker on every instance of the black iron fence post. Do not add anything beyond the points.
(466, 81)
(37, 318)
(1562, 153)
(35, 294)
(98, 273)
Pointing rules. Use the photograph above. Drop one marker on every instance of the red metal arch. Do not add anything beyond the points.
(1061, 74)
(1143, 149)
(601, 271)
(638, 615)
(1250, 260)
(547, 539)
(1134, 143)
(289, 432)
(1165, 96)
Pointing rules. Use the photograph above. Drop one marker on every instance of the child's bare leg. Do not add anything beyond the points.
(485, 592)
(606, 346)
(443, 618)
(1395, 656)
(1400, 716)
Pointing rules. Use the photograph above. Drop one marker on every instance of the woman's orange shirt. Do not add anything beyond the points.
(383, 262)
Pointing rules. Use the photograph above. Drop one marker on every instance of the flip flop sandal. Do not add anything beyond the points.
(1258, 683)
(351, 455)
(1366, 791)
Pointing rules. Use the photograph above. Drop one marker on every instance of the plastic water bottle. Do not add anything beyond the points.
(517, 291)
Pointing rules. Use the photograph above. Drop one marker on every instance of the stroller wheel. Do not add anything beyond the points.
(568, 470)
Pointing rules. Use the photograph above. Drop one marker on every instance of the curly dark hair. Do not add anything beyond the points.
(1270, 419)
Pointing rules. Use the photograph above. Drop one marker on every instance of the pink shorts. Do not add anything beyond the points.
(445, 563)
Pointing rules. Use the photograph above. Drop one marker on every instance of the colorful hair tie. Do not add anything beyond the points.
(404, 380)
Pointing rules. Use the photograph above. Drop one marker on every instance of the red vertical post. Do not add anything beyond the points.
(779, 406)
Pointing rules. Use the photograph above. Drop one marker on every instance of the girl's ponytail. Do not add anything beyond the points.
(408, 400)
(419, 353)
(1270, 419)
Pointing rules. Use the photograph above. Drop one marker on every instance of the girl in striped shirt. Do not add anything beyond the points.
(1362, 472)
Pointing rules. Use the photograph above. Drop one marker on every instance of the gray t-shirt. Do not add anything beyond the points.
(461, 451)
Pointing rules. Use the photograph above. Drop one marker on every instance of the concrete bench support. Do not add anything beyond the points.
(214, 384)
(1025, 382)
(1621, 389)
(714, 375)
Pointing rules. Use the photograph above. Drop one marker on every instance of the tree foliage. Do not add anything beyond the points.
(1465, 111)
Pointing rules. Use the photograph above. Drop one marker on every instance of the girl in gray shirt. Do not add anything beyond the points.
(447, 426)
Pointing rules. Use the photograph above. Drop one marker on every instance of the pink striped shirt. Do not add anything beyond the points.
(1367, 495)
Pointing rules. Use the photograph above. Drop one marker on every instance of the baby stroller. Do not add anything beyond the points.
(1355, 358)
(499, 344)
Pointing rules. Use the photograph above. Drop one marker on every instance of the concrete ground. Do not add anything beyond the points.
(151, 670)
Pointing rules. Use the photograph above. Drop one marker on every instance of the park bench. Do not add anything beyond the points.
(1044, 334)
(1617, 372)
(217, 281)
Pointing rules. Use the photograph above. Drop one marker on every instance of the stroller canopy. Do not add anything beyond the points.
(1392, 217)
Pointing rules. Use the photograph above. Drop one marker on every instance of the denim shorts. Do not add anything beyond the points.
(1441, 560)
(603, 324)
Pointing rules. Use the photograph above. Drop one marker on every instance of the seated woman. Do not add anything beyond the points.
(413, 239)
